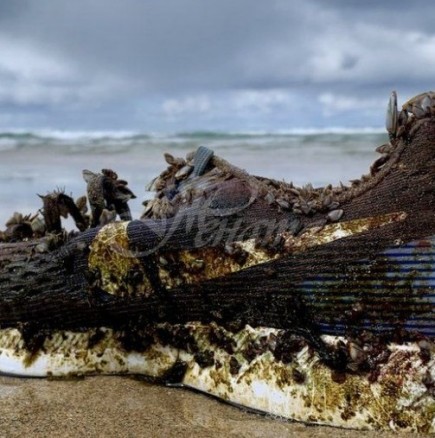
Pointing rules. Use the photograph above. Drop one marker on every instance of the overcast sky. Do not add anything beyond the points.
(180, 65)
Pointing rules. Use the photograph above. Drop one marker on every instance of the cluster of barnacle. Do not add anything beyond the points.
(399, 124)
(306, 200)
(165, 186)
(47, 221)
(20, 227)
(402, 124)
(367, 353)
(108, 196)
(175, 188)
(172, 191)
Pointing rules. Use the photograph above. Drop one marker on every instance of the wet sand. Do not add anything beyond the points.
(106, 406)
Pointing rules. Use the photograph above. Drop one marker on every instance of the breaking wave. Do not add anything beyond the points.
(73, 142)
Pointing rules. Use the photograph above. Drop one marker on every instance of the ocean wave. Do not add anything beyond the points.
(71, 142)
(282, 132)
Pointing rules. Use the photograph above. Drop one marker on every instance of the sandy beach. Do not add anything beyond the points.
(106, 406)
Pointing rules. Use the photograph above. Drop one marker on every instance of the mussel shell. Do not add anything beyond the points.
(202, 159)
(391, 116)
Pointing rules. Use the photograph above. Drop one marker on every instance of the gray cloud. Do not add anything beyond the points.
(130, 63)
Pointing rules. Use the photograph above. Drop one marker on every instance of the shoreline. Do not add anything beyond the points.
(121, 406)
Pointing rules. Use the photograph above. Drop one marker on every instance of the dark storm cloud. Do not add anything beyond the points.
(167, 58)
(156, 44)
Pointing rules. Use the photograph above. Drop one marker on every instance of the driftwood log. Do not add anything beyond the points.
(225, 246)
